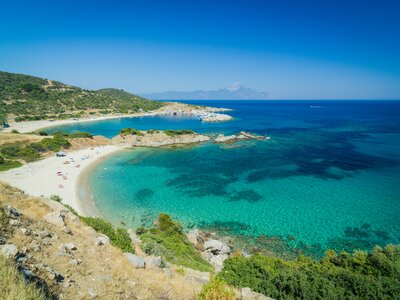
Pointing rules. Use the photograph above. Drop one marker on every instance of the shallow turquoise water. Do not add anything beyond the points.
(328, 178)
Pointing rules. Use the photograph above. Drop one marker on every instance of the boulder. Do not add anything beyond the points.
(13, 222)
(153, 261)
(43, 234)
(12, 212)
(25, 231)
(54, 218)
(75, 262)
(9, 250)
(218, 261)
(134, 260)
(67, 230)
(102, 240)
(216, 247)
(67, 247)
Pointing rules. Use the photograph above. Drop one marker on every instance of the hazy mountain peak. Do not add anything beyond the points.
(235, 91)
(235, 87)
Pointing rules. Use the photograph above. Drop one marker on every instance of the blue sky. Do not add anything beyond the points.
(291, 49)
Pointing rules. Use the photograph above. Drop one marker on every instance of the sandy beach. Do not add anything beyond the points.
(52, 176)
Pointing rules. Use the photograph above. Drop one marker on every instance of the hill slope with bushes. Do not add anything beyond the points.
(25, 97)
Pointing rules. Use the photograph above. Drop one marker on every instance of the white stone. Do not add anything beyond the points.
(8, 250)
(54, 218)
(68, 246)
(103, 240)
(153, 261)
(134, 260)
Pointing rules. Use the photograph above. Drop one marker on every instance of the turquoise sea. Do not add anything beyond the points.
(329, 177)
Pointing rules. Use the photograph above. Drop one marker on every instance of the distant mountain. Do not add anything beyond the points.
(235, 91)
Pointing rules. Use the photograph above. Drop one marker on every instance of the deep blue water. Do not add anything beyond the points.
(328, 178)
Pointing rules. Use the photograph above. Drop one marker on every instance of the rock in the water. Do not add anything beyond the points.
(153, 261)
(54, 218)
(8, 250)
(67, 247)
(102, 240)
(134, 260)
(216, 247)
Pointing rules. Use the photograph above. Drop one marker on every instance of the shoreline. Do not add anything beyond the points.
(205, 114)
(42, 178)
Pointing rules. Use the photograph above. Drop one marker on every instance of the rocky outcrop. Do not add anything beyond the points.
(158, 139)
(241, 136)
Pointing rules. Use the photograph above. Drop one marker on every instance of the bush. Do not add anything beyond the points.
(118, 237)
(178, 132)
(374, 275)
(6, 164)
(80, 135)
(130, 131)
(56, 198)
(216, 289)
(43, 133)
(14, 131)
(168, 240)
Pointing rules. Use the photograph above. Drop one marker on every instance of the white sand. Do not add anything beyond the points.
(40, 178)
(31, 126)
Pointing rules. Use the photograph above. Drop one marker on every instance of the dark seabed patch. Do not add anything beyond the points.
(246, 195)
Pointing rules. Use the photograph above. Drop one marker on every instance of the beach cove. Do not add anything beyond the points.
(272, 188)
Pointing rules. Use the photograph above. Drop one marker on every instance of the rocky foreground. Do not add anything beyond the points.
(69, 260)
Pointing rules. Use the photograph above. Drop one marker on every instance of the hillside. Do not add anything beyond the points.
(24, 97)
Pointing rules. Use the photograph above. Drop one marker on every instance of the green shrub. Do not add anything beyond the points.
(6, 164)
(43, 133)
(168, 240)
(14, 131)
(374, 275)
(80, 135)
(28, 153)
(216, 289)
(10, 151)
(130, 131)
(178, 132)
(56, 198)
(118, 237)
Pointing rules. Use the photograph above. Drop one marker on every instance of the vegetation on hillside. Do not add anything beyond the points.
(361, 275)
(168, 240)
(33, 98)
(11, 155)
(119, 237)
(130, 131)
(216, 289)
(178, 132)
(13, 285)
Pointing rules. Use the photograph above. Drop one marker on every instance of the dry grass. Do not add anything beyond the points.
(103, 268)
(12, 284)
(18, 138)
